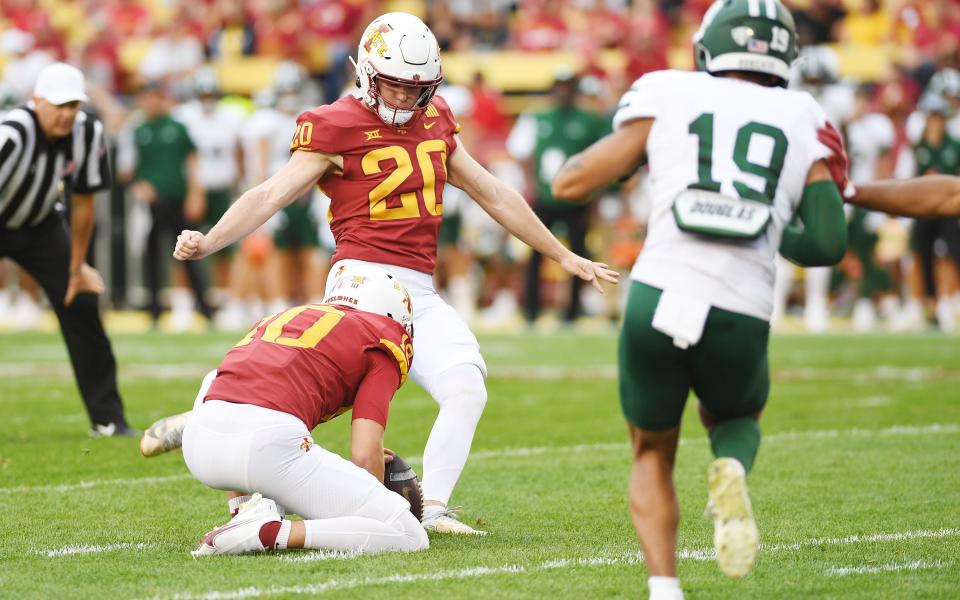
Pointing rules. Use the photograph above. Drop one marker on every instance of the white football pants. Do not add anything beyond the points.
(248, 448)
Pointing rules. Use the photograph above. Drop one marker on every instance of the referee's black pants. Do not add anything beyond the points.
(575, 217)
(44, 252)
(168, 220)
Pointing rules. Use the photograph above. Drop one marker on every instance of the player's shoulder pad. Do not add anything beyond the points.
(439, 109)
(321, 129)
(810, 107)
(648, 95)
(809, 116)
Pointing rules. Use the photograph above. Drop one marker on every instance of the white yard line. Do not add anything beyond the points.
(628, 558)
(553, 372)
(877, 374)
(86, 549)
(709, 554)
(868, 402)
(786, 436)
(317, 555)
(356, 582)
(773, 438)
(916, 565)
(83, 485)
(141, 371)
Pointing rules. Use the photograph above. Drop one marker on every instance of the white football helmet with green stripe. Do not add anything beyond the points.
(756, 36)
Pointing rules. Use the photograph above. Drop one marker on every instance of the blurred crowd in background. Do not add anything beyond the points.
(200, 99)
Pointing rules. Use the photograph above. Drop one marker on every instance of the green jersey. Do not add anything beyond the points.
(550, 138)
(944, 158)
(163, 146)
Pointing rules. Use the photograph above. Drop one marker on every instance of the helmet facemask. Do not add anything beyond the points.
(392, 114)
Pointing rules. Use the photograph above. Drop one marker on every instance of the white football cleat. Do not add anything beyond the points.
(164, 435)
(242, 534)
(676, 594)
(735, 534)
(445, 521)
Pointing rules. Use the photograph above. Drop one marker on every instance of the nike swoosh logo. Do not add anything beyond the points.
(211, 538)
(429, 125)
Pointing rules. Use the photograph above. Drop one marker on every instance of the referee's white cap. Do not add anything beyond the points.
(60, 83)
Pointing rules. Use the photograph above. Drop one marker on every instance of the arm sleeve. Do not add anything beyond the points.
(94, 173)
(376, 388)
(823, 239)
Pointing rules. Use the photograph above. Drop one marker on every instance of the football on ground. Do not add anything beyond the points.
(400, 477)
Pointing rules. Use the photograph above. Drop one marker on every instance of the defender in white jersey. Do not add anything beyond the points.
(872, 137)
(215, 130)
(298, 266)
(734, 158)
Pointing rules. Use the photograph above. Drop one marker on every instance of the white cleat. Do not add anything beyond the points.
(242, 534)
(735, 534)
(164, 435)
(676, 594)
(446, 521)
(946, 320)
(864, 316)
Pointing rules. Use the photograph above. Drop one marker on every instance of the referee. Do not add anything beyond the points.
(47, 147)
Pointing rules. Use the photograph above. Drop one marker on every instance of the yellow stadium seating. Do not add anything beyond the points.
(246, 75)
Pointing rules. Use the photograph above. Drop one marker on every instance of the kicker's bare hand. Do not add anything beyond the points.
(191, 245)
(589, 271)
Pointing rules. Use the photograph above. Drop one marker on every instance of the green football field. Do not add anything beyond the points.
(856, 489)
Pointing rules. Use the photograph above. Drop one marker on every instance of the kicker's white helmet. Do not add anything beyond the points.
(398, 47)
(372, 289)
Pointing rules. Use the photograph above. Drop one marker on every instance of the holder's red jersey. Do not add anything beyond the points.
(387, 204)
(316, 362)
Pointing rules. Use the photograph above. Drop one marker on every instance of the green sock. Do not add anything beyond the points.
(737, 438)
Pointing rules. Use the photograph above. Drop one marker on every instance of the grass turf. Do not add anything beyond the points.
(855, 489)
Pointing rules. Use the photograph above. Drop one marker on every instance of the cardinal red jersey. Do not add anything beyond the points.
(310, 361)
(387, 204)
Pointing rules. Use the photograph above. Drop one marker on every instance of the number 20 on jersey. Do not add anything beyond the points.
(372, 164)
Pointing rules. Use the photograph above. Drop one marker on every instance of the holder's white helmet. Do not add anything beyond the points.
(398, 47)
(372, 289)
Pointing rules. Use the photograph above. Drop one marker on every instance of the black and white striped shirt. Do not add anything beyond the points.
(33, 169)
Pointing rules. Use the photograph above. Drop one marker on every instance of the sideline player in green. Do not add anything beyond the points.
(734, 158)
(543, 141)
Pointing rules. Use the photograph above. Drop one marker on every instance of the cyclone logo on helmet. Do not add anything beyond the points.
(398, 48)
